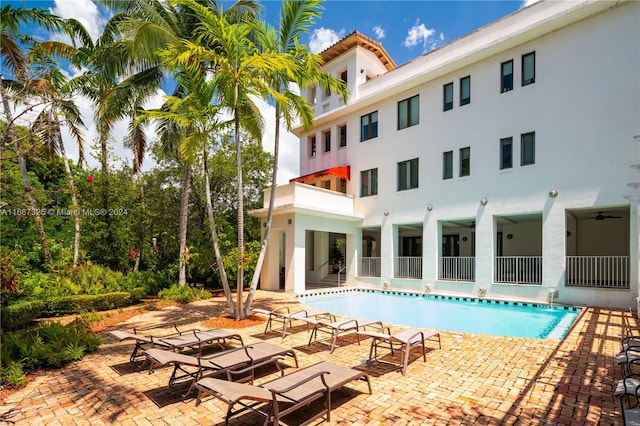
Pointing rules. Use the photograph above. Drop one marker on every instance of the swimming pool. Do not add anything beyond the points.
(452, 313)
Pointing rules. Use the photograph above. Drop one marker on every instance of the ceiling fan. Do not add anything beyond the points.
(600, 216)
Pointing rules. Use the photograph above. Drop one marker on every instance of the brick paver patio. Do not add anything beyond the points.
(472, 380)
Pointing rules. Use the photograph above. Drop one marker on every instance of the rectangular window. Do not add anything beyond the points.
(369, 126)
(447, 165)
(529, 68)
(408, 174)
(465, 161)
(448, 97)
(326, 137)
(343, 76)
(528, 148)
(312, 146)
(311, 95)
(506, 153)
(326, 93)
(409, 112)
(342, 131)
(369, 182)
(465, 90)
(506, 76)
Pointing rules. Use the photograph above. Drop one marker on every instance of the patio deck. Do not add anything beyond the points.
(473, 379)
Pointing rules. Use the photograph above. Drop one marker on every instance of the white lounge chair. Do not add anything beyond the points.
(405, 340)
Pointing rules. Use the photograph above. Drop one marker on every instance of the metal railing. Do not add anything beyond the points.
(407, 267)
(369, 266)
(518, 269)
(597, 271)
(458, 268)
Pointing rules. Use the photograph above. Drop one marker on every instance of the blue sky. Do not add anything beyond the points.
(406, 29)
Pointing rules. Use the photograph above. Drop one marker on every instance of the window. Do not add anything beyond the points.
(448, 97)
(408, 174)
(342, 131)
(326, 93)
(506, 153)
(369, 126)
(447, 165)
(465, 161)
(528, 148)
(326, 184)
(369, 182)
(506, 76)
(409, 112)
(465, 90)
(343, 76)
(326, 137)
(312, 146)
(311, 95)
(529, 68)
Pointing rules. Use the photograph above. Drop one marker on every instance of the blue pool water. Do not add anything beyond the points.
(469, 315)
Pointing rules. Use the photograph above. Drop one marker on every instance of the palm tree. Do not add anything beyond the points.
(146, 28)
(296, 17)
(17, 64)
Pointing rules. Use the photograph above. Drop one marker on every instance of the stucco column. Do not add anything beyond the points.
(387, 249)
(554, 250)
(484, 247)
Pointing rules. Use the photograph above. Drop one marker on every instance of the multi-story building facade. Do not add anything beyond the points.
(503, 164)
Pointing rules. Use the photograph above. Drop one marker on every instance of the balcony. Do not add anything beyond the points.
(369, 266)
(407, 267)
(457, 268)
(518, 269)
(597, 271)
(300, 196)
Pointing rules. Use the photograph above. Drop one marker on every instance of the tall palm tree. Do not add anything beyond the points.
(16, 72)
(296, 18)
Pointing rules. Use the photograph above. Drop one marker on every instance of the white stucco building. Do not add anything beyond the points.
(503, 164)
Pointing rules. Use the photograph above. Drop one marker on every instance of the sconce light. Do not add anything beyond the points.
(637, 137)
(568, 234)
(509, 236)
(386, 213)
(289, 221)
(429, 207)
(361, 70)
(264, 225)
(553, 193)
(484, 201)
(464, 238)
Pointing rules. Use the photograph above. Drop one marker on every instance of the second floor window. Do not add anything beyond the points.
(447, 165)
(409, 112)
(312, 146)
(448, 97)
(465, 161)
(527, 149)
(408, 174)
(506, 153)
(465, 90)
(342, 132)
(368, 182)
(529, 68)
(369, 126)
(326, 136)
(506, 76)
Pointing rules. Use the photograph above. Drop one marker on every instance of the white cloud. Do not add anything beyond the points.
(420, 34)
(322, 38)
(378, 31)
(84, 11)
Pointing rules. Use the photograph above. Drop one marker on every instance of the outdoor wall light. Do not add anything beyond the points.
(553, 193)
(484, 201)
(386, 213)
(429, 207)
(637, 137)
(634, 185)
(509, 236)
(289, 221)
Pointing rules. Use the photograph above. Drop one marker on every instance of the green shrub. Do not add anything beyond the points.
(183, 294)
(20, 314)
(147, 281)
(50, 344)
(65, 305)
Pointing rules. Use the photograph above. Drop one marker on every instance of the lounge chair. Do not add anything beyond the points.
(149, 336)
(195, 367)
(336, 328)
(405, 340)
(283, 395)
(286, 317)
(628, 389)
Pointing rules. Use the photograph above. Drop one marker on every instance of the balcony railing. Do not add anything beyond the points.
(597, 271)
(407, 267)
(369, 267)
(459, 268)
(518, 269)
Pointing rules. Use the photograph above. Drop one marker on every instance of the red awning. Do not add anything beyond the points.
(340, 171)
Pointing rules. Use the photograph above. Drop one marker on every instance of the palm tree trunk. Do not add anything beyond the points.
(240, 279)
(214, 237)
(267, 232)
(31, 202)
(184, 213)
(143, 220)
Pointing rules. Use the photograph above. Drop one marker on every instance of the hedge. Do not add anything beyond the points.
(20, 314)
